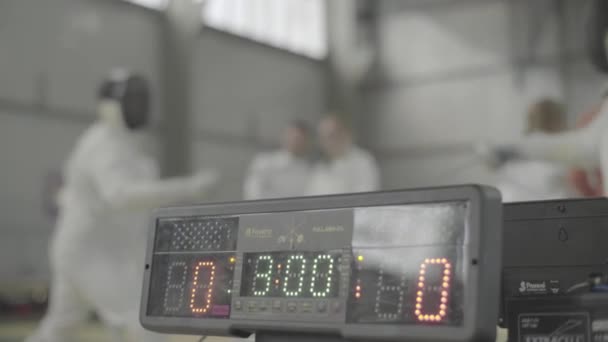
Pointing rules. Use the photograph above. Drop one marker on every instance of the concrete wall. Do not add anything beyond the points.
(53, 54)
(244, 95)
(453, 73)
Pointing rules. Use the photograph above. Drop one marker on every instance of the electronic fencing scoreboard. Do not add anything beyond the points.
(417, 265)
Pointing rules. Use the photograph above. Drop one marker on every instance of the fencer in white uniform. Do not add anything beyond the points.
(347, 168)
(97, 251)
(281, 173)
(532, 180)
(585, 148)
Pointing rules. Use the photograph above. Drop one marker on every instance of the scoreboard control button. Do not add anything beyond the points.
(292, 306)
(322, 306)
(306, 307)
(264, 306)
(336, 307)
(252, 306)
(277, 305)
(238, 305)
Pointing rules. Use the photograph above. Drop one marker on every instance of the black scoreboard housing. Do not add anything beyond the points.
(482, 252)
(551, 247)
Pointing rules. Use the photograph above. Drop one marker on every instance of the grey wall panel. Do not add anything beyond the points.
(32, 148)
(246, 89)
(429, 41)
(19, 52)
(585, 86)
(431, 170)
(231, 160)
(55, 52)
(90, 37)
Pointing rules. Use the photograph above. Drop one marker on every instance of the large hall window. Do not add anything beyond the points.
(298, 26)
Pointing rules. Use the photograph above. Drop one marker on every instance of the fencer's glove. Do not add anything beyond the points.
(496, 156)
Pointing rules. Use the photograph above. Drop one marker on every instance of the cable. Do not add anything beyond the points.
(595, 283)
(202, 338)
(579, 286)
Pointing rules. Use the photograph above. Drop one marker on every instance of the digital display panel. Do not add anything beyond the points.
(407, 286)
(397, 264)
(407, 265)
(291, 275)
(368, 266)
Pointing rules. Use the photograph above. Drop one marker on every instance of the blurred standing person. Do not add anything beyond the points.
(347, 168)
(587, 183)
(585, 147)
(98, 248)
(529, 180)
(281, 173)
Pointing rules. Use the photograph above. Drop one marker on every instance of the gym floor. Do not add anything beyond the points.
(17, 331)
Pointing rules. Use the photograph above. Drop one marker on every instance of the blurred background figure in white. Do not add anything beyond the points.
(346, 167)
(588, 182)
(284, 172)
(528, 180)
(110, 185)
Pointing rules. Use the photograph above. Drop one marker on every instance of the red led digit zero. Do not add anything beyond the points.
(445, 280)
(207, 289)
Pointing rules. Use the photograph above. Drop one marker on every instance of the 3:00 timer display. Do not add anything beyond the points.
(291, 274)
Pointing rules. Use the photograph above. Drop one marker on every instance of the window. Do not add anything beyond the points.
(295, 25)
(298, 26)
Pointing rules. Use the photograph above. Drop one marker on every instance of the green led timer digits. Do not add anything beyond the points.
(262, 279)
(302, 275)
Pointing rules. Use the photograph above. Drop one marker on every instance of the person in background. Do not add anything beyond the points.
(588, 183)
(346, 168)
(281, 173)
(110, 185)
(528, 180)
(586, 147)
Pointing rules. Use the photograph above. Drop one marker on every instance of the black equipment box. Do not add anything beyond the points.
(552, 249)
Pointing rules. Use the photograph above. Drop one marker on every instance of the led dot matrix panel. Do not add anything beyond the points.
(350, 266)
